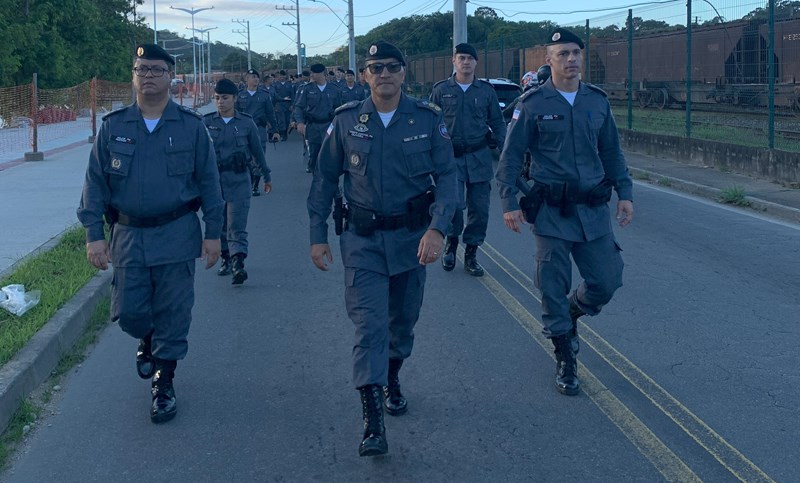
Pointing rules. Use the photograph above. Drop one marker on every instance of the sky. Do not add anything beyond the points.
(322, 32)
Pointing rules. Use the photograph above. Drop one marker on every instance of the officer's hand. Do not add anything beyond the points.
(430, 247)
(98, 254)
(276, 137)
(301, 128)
(267, 186)
(319, 253)
(211, 251)
(514, 220)
(624, 212)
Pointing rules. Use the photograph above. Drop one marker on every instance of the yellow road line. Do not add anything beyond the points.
(728, 456)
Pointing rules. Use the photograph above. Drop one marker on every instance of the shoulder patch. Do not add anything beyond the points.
(429, 105)
(528, 93)
(191, 111)
(596, 89)
(244, 114)
(115, 112)
(347, 106)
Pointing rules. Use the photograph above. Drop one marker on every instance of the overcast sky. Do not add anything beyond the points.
(322, 32)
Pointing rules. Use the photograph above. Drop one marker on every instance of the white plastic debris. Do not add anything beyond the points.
(17, 301)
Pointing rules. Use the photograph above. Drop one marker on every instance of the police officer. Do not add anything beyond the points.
(363, 81)
(152, 166)
(257, 103)
(351, 90)
(390, 149)
(284, 97)
(314, 109)
(577, 160)
(475, 121)
(236, 141)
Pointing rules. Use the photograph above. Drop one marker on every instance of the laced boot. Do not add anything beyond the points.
(393, 399)
(165, 406)
(374, 440)
(239, 273)
(575, 312)
(225, 268)
(449, 256)
(145, 365)
(566, 366)
(471, 264)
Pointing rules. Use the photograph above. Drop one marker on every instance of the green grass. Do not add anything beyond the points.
(59, 273)
(735, 195)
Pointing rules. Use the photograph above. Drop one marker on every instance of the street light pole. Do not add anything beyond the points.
(155, 29)
(350, 30)
(192, 12)
(296, 24)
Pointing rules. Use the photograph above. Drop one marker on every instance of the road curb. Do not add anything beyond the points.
(782, 212)
(34, 363)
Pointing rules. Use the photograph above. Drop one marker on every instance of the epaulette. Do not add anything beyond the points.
(596, 89)
(245, 114)
(191, 111)
(114, 112)
(443, 80)
(209, 114)
(429, 105)
(486, 82)
(528, 93)
(347, 106)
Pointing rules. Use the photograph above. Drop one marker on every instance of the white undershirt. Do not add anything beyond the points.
(226, 120)
(386, 117)
(151, 123)
(251, 92)
(322, 87)
(464, 87)
(569, 96)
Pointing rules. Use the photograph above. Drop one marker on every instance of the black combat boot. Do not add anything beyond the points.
(575, 312)
(374, 441)
(471, 264)
(225, 268)
(239, 273)
(165, 406)
(449, 257)
(145, 365)
(566, 366)
(393, 399)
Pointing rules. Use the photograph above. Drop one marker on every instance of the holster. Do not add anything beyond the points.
(339, 214)
(532, 202)
(600, 194)
(419, 209)
(491, 141)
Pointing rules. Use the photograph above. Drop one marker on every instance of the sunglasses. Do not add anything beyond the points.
(377, 68)
(156, 71)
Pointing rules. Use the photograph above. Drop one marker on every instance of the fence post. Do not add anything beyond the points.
(689, 68)
(771, 75)
(588, 69)
(630, 69)
(486, 56)
(502, 57)
(34, 155)
(93, 108)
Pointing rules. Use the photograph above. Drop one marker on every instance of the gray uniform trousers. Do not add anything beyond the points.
(600, 264)
(477, 205)
(157, 299)
(233, 238)
(384, 310)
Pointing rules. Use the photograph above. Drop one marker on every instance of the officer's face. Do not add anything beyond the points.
(224, 104)
(149, 84)
(464, 64)
(385, 84)
(350, 78)
(565, 61)
(252, 81)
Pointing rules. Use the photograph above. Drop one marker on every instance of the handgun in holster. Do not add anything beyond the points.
(419, 209)
(239, 162)
(532, 199)
(339, 214)
(111, 215)
(491, 141)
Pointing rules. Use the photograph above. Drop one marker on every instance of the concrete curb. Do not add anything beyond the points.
(35, 362)
(784, 213)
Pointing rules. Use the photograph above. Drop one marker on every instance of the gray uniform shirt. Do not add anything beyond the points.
(576, 144)
(356, 93)
(468, 116)
(259, 107)
(146, 174)
(282, 91)
(315, 108)
(383, 168)
(239, 135)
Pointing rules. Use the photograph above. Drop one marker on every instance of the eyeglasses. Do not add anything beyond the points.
(394, 67)
(156, 71)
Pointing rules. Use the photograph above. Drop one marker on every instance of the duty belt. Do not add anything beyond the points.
(379, 222)
(460, 149)
(152, 221)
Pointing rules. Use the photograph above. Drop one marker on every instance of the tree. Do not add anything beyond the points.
(486, 12)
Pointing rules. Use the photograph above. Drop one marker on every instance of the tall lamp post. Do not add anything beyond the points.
(202, 31)
(192, 12)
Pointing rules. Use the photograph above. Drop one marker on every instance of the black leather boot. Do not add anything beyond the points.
(449, 257)
(225, 268)
(239, 273)
(575, 312)
(145, 365)
(566, 366)
(165, 406)
(374, 440)
(393, 399)
(471, 264)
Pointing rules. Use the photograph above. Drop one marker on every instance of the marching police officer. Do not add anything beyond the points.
(236, 141)
(363, 81)
(257, 103)
(475, 122)
(152, 166)
(351, 90)
(568, 127)
(314, 109)
(390, 149)
(284, 97)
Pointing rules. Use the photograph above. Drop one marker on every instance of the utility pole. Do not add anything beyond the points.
(459, 22)
(155, 29)
(296, 23)
(245, 34)
(351, 30)
(208, 53)
(192, 12)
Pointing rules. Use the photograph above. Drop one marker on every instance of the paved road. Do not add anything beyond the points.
(690, 373)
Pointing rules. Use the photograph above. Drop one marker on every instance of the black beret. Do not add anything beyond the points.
(283, 72)
(330, 72)
(153, 52)
(384, 50)
(317, 68)
(466, 49)
(564, 36)
(254, 72)
(306, 73)
(339, 69)
(226, 86)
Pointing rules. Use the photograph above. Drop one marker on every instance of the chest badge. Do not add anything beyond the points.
(116, 163)
(361, 128)
(411, 122)
(363, 118)
(355, 159)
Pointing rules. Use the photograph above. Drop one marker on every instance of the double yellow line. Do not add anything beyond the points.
(671, 467)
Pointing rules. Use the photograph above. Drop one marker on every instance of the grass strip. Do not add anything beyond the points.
(59, 273)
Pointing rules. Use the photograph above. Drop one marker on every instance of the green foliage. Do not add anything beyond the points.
(735, 195)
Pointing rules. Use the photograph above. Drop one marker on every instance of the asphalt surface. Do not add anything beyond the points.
(684, 373)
